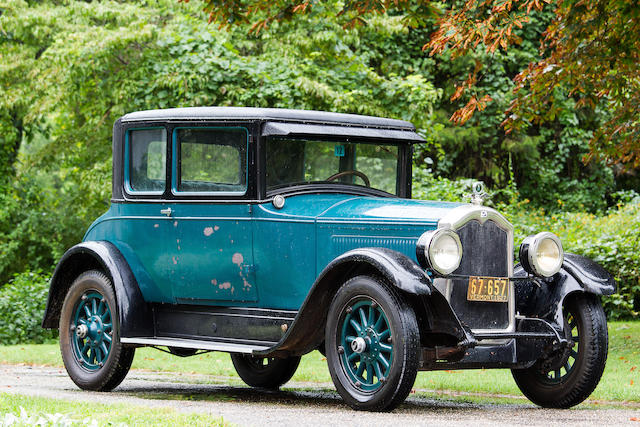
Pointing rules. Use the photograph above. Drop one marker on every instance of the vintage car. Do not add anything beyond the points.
(270, 233)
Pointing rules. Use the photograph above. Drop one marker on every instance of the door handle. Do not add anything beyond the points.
(166, 211)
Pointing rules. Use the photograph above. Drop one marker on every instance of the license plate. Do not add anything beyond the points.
(488, 289)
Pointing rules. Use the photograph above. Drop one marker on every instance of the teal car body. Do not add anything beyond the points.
(270, 233)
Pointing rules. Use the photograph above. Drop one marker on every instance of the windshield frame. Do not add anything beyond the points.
(403, 177)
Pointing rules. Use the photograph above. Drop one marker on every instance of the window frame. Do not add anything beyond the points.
(176, 158)
(127, 162)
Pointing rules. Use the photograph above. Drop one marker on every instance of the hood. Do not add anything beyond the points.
(371, 209)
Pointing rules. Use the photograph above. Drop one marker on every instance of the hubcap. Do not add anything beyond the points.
(364, 337)
(93, 331)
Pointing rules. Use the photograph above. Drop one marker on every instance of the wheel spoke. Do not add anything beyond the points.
(82, 321)
(99, 356)
(349, 339)
(379, 322)
(106, 316)
(385, 347)
(101, 308)
(557, 374)
(372, 316)
(384, 334)
(376, 366)
(353, 356)
(92, 356)
(107, 338)
(94, 307)
(360, 369)
(85, 348)
(87, 311)
(567, 366)
(369, 374)
(363, 317)
(384, 361)
(355, 326)
(106, 327)
(574, 354)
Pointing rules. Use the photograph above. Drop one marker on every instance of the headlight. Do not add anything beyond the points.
(542, 254)
(439, 250)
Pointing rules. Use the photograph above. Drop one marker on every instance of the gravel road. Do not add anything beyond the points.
(298, 405)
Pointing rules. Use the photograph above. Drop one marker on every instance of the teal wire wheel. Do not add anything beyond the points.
(366, 344)
(93, 329)
(92, 353)
(568, 376)
(372, 344)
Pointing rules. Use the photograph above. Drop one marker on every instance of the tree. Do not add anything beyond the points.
(590, 50)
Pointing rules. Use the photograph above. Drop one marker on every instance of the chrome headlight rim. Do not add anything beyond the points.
(426, 246)
(529, 250)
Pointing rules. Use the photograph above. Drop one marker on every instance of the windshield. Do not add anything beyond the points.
(292, 161)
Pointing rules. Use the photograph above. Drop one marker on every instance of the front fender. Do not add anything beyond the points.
(134, 314)
(544, 298)
(307, 330)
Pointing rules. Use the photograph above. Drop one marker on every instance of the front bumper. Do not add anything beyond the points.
(532, 340)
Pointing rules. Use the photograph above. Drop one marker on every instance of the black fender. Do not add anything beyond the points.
(544, 298)
(135, 316)
(307, 330)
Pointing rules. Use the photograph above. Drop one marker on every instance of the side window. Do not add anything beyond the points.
(211, 160)
(146, 165)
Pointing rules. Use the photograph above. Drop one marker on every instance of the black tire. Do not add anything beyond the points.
(265, 372)
(380, 375)
(95, 369)
(569, 378)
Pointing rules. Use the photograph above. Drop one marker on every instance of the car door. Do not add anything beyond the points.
(211, 217)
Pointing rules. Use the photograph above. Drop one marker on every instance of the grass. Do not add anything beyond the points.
(620, 382)
(112, 414)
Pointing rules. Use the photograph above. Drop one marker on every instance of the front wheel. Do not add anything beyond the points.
(372, 344)
(568, 378)
(265, 372)
(89, 335)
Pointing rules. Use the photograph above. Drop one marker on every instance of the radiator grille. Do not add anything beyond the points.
(484, 253)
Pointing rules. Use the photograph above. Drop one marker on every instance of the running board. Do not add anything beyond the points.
(200, 345)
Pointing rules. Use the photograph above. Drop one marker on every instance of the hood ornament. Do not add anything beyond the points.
(478, 194)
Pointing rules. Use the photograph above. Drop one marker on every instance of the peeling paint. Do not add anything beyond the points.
(175, 260)
(237, 258)
(156, 225)
(216, 228)
(175, 223)
(214, 282)
(208, 231)
(225, 285)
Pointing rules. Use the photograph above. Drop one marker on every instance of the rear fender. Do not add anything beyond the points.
(135, 316)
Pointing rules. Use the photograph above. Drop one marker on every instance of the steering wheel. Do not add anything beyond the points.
(351, 172)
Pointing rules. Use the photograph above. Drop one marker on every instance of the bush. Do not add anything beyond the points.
(22, 303)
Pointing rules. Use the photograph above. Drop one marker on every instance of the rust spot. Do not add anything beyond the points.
(225, 285)
(214, 282)
(175, 223)
(174, 259)
(237, 258)
(156, 225)
(216, 228)
(208, 231)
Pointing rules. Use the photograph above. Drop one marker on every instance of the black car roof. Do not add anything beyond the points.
(270, 114)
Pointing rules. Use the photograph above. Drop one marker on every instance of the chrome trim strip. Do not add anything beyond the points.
(458, 217)
(200, 345)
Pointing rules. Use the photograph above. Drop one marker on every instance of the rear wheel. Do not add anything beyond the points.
(568, 378)
(89, 334)
(372, 344)
(265, 372)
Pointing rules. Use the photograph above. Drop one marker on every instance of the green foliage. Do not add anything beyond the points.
(22, 303)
